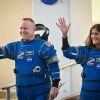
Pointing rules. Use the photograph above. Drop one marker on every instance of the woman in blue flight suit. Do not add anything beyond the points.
(36, 64)
(89, 58)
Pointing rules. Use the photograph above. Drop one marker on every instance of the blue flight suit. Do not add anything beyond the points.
(36, 64)
(90, 61)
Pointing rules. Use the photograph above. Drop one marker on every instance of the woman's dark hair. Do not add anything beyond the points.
(88, 41)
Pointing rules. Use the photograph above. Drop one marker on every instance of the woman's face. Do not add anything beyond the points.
(95, 36)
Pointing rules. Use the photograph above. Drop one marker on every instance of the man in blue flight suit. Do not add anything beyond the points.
(36, 64)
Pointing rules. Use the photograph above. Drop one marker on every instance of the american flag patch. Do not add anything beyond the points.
(48, 44)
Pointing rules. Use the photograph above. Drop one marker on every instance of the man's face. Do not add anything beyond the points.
(27, 30)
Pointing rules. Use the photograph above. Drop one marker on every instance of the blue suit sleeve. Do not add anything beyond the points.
(54, 71)
(48, 53)
(77, 53)
(7, 51)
